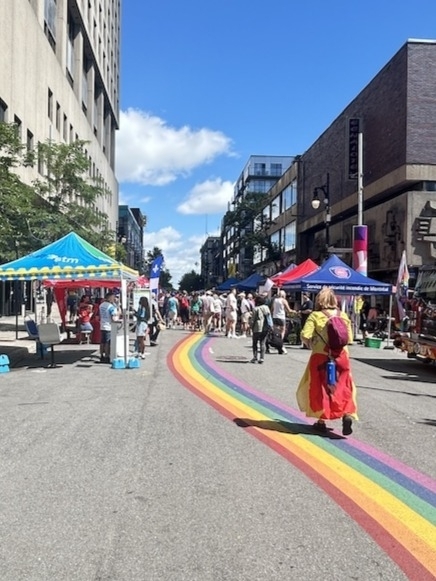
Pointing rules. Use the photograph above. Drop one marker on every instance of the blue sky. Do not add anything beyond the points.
(205, 84)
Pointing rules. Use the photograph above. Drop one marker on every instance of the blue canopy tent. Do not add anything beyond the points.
(227, 284)
(70, 257)
(343, 280)
(250, 283)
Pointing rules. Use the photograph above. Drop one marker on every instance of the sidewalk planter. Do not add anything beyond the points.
(4, 364)
(373, 342)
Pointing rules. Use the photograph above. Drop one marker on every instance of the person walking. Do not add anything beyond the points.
(280, 308)
(231, 314)
(143, 315)
(260, 324)
(318, 395)
(155, 319)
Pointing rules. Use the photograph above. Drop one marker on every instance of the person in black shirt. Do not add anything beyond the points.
(305, 310)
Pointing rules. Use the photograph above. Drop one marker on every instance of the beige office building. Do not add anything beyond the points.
(59, 78)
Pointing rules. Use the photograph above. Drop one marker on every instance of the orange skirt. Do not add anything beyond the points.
(313, 395)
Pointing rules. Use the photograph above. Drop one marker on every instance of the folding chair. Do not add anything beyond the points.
(49, 334)
(32, 331)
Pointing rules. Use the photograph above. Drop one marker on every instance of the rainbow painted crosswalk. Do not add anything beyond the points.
(395, 504)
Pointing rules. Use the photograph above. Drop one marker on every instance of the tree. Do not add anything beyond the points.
(62, 200)
(165, 276)
(16, 197)
(191, 281)
(252, 225)
(68, 197)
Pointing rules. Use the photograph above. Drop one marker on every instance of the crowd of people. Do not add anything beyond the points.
(322, 394)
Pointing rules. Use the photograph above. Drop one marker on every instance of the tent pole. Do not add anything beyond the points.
(388, 341)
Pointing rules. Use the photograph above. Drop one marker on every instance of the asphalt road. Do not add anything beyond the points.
(126, 475)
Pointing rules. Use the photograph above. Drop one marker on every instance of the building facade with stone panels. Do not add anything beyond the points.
(397, 112)
(59, 79)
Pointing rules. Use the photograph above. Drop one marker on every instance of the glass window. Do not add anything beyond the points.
(3, 109)
(70, 45)
(50, 18)
(58, 116)
(259, 169)
(290, 236)
(29, 140)
(275, 239)
(18, 125)
(290, 195)
(276, 169)
(50, 105)
(275, 208)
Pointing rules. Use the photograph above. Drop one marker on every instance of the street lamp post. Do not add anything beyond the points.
(325, 189)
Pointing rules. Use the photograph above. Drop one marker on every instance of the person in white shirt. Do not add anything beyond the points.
(279, 309)
(207, 310)
(231, 314)
(108, 313)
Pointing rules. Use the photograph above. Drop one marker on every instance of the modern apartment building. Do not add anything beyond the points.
(59, 79)
(260, 173)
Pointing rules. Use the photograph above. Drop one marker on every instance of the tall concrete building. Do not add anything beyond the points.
(59, 79)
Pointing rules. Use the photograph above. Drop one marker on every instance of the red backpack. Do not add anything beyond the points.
(337, 331)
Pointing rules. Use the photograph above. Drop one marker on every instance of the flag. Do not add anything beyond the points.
(402, 286)
(155, 271)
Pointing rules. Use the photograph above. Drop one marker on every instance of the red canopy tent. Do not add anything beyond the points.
(302, 270)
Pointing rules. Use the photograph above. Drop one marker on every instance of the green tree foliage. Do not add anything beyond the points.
(69, 196)
(165, 276)
(62, 200)
(16, 198)
(191, 281)
(252, 225)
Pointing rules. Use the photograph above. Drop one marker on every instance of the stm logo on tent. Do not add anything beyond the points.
(340, 272)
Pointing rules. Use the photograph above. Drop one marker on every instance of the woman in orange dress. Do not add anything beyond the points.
(314, 396)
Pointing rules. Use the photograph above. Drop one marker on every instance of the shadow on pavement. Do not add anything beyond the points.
(285, 427)
(80, 357)
(397, 391)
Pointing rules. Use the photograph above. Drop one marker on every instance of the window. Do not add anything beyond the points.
(3, 110)
(65, 128)
(290, 195)
(50, 105)
(29, 140)
(275, 239)
(50, 10)
(58, 116)
(85, 83)
(289, 242)
(259, 169)
(276, 169)
(18, 125)
(275, 208)
(70, 45)
(40, 161)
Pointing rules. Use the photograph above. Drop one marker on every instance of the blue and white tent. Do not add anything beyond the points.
(70, 257)
(227, 284)
(251, 283)
(343, 280)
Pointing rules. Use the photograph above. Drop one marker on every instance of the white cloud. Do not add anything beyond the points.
(151, 152)
(181, 255)
(209, 197)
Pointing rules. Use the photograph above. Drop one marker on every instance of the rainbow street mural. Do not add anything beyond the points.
(393, 503)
